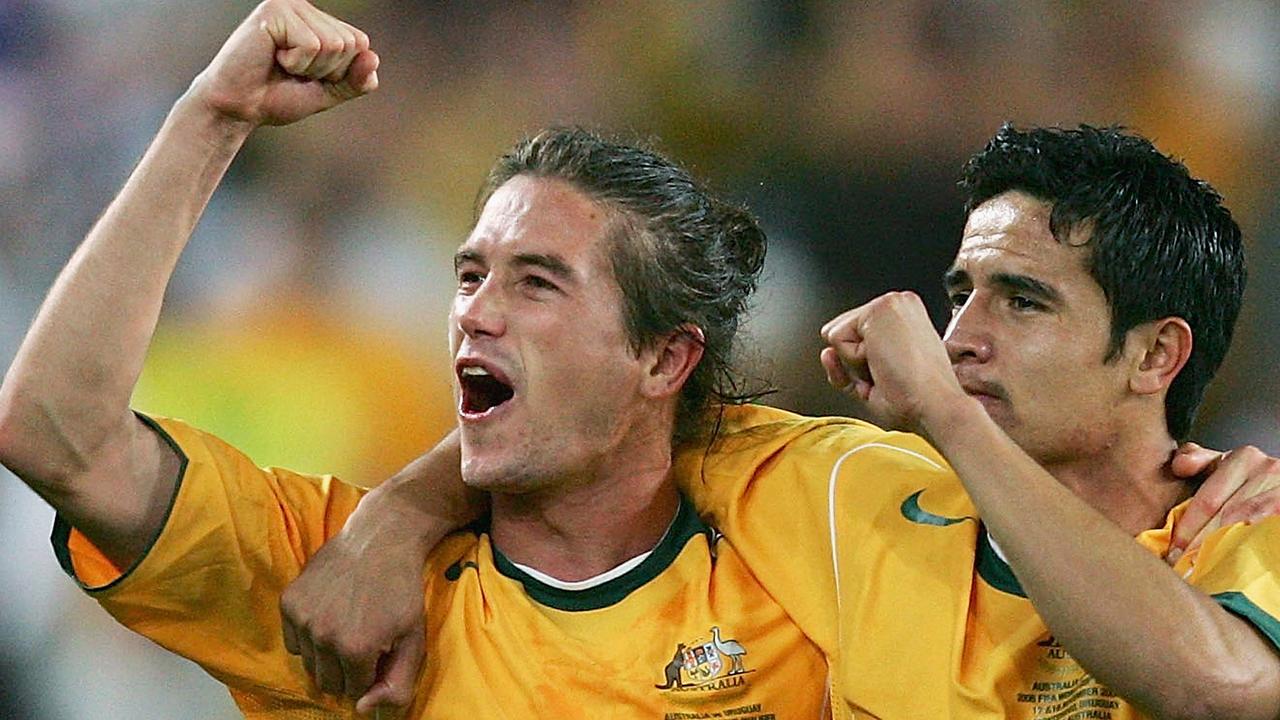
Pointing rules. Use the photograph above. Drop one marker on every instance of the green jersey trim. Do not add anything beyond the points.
(61, 535)
(685, 526)
(995, 571)
(1238, 604)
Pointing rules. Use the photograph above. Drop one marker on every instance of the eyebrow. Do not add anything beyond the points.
(1009, 282)
(954, 278)
(551, 263)
(462, 257)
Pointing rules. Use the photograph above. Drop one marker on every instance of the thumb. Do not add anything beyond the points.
(397, 674)
(1191, 460)
(362, 75)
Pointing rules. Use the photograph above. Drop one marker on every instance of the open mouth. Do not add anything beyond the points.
(481, 391)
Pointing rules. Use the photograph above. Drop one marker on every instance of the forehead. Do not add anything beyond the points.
(539, 215)
(1010, 234)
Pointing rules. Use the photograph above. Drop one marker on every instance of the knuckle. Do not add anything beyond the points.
(324, 638)
(292, 610)
(1206, 502)
(1240, 512)
(1252, 454)
(1253, 506)
(352, 648)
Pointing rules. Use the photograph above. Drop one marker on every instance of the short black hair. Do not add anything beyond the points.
(681, 255)
(1161, 245)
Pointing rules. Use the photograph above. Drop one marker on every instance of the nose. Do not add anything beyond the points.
(967, 337)
(483, 312)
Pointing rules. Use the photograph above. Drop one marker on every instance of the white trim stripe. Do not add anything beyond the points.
(831, 507)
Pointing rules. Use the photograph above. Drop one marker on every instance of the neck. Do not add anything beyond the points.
(1129, 480)
(579, 530)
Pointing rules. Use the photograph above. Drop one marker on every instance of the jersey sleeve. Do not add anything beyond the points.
(1237, 567)
(800, 500)
(208, 587)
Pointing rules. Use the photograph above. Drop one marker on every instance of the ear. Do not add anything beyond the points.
(672, 360)
(1160, 350)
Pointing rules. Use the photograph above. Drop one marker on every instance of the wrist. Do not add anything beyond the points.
(195, 109)
(949, 414)
(382, 520)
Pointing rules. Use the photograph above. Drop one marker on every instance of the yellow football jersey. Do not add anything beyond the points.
(688, 633)
(869, 540)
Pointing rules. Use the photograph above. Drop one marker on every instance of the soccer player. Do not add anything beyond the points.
(598, 297)
(1094, 296)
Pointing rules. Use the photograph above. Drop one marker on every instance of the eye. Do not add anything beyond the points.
(540, 283)
(469, 279)
(958, 299)
(1022, 302)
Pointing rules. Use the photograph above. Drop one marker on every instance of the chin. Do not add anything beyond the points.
(480, 474)
(498, 475)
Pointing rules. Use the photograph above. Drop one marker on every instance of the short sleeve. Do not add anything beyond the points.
(208, 588)
(1237, 567)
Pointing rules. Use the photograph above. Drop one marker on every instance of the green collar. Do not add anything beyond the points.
(685, 526)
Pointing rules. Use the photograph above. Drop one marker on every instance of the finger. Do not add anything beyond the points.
(1228, 475)
(290, 635)
(337, 48)
(1253, 509)
(362, 38)
(398, 674)
(1191, 460)
(330, 40)
(361, 77)
(308, 653)
(297, 44)
(837, 376)
(1209, 528)
(841, 327)
(328, 672)
(356, 42)
(359, 671)
(862, 388)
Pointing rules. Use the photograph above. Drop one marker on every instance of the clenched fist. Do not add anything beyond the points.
(887, 355)
(286, 61)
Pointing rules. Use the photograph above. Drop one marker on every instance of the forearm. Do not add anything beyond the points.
(67, 393)
(1120, 611)
(420, 504)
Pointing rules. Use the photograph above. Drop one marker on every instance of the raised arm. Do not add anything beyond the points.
(1141, 630)
(65, 424)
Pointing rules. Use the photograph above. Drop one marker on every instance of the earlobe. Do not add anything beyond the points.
(1165, 346)
(674, 359)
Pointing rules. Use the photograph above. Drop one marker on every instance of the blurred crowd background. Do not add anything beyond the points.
(306, 322)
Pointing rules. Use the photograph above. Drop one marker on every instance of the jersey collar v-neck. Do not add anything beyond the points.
(685, 526)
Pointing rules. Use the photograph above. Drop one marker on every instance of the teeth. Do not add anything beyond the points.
(474, 370)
